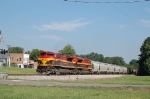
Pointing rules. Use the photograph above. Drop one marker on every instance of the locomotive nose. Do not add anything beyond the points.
(42, 61)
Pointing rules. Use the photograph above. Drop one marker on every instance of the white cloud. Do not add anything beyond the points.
(145, 22)
(120, 26)
(48, 37)
(63, 26)
(51, 37)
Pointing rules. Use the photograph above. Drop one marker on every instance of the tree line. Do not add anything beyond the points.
(69, 50)
(143, 63)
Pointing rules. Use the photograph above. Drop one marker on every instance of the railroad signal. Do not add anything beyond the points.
(3, 51)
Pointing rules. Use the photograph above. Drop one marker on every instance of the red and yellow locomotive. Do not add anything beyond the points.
(56, 63)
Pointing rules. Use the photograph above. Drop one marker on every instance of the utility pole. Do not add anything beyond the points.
(9, 55)
(8, 48)
(2, 38)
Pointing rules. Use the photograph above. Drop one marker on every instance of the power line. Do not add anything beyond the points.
(83, 1)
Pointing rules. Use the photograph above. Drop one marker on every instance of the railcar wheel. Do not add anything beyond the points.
(57, 72)
(44, 73)
(74, 72)
(79, 72)
(48, 72)
(91, 73)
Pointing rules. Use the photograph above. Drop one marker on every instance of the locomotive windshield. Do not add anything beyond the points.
(46, 54)
(49, 54)
(43, 53)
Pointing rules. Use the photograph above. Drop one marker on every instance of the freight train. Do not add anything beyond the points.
(56, 63)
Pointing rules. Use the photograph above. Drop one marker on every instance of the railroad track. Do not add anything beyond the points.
(30, 75)
(39, 75)
(24, 75)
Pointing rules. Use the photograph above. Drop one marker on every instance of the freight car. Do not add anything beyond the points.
(56, 63)
(99, 68)
(132, 71)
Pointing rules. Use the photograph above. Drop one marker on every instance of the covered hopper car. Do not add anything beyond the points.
(99, 68)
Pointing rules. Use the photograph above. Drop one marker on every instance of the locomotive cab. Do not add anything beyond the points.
(45, 58)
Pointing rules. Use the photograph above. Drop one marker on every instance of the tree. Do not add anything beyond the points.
(129, 66)
(108, 60)
(115, 60)
(144, 58)
(27, 52)
(96, 57)
(134, 63)
(68, 50)
(93, 56)
(15, 50)
(34, 54)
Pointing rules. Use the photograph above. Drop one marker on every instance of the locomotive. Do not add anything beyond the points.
(56, 63)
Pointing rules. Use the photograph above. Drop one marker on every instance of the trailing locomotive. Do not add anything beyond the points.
(56, 63)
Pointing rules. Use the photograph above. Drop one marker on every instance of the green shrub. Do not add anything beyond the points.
(13, 65)
(4, 64)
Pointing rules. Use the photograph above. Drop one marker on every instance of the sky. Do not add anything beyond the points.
(111, 29)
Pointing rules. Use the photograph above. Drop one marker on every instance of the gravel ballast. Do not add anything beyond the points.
(64, 77)
(35, 81)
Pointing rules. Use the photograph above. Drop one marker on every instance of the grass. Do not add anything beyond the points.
(16, 70)
(127, 79)
(36, 92)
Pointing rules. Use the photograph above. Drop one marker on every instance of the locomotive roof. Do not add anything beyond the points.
(69, 58)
